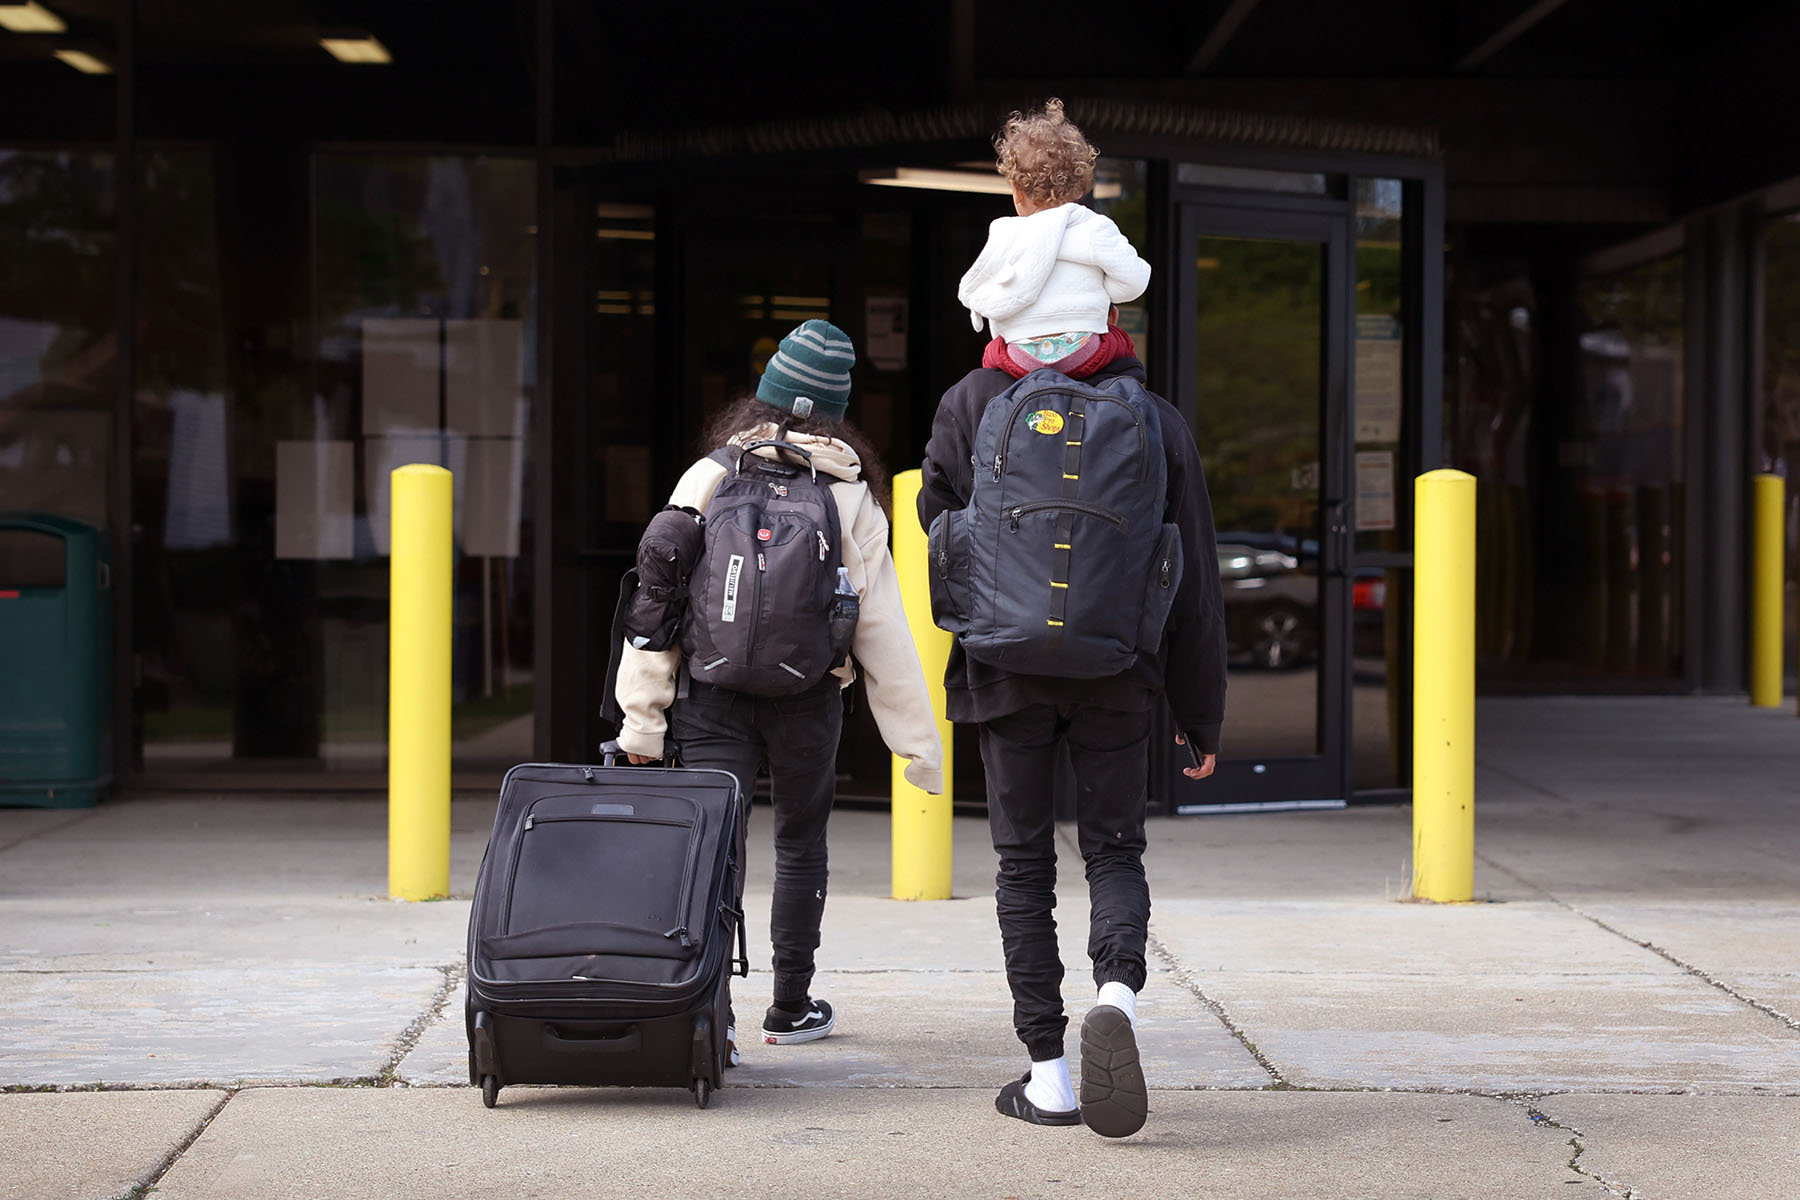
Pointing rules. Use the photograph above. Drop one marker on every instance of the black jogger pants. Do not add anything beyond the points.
(1109, 750)
(796, 737)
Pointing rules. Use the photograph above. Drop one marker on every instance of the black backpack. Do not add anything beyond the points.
(1062, 563)
(766, 613)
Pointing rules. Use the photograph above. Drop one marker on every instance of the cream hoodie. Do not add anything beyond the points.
(883, 643)
(1056, 271)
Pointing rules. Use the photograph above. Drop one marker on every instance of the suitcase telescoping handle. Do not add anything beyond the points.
(612, 751)
(625, 1043)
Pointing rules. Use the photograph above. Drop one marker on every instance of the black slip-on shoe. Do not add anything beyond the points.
(1114, 1100)
(1011, 1102)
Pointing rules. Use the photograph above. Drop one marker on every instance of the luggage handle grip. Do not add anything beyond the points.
(628, 1042)
(610, 752)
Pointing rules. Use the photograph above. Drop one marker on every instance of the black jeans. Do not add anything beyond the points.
(796, 737)
(1109, 750)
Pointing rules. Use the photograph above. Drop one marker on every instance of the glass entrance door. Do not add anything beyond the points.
(1262, 381)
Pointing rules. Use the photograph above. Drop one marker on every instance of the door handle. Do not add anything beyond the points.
(1337, 526)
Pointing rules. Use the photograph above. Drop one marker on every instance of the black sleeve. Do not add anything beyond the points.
(1194, 664)
(946, 477)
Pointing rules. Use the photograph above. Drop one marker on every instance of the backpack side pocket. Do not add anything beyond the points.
(1160, 588)
(949, 570)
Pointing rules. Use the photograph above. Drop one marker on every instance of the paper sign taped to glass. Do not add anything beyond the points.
(1378, 368)
(1374, 490)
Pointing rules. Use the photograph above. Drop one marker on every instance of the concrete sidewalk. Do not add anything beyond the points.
(210, 996)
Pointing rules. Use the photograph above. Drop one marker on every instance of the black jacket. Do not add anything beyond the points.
(1189, 667)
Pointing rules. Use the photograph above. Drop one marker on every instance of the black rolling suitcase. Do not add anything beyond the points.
(601, 936)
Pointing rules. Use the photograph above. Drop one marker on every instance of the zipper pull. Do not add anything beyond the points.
(681, 932)
(760, 566)
(997, 461)
(529, 821)
(1165, 572)
(587, 774)
(824, 546)
(1016, 514)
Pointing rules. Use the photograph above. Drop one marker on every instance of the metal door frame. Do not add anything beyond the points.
(1323, 779)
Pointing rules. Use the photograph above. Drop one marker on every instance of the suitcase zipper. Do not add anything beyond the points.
(626, 990)
(532, 820)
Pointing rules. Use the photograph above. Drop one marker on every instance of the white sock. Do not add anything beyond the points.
(1050, 1088)
(1121, 998)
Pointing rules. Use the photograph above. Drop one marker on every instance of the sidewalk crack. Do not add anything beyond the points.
(1577, 1144)
(1768, 1010)
(148, 1186)
(74, 819)
(409, 1037)
(1188, 981)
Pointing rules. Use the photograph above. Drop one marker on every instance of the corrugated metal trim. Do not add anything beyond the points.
(978, 123)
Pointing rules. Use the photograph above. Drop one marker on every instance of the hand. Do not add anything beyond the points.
(1207, 762)
(638, 760)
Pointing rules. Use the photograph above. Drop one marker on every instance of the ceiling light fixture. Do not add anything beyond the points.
(944, 179)
(84, 62)
(939, 179)
(30, 18)
(362, 50)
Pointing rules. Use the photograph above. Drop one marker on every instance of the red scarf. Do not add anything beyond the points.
(1115, 343)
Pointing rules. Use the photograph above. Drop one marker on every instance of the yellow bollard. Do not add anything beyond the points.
(921, 821)
(1444, 688)
(419, 686)
(1766, 588)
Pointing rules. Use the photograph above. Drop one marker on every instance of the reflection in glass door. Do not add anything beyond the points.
(1262, 386)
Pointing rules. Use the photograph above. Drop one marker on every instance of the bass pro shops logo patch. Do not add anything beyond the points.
(1045, 421)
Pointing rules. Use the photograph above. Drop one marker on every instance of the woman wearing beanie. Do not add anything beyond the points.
(801, 400)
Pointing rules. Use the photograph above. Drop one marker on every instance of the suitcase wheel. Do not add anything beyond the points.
(702, 1092)
(490, 1091)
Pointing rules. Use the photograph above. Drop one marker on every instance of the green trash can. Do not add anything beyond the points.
(55, 662)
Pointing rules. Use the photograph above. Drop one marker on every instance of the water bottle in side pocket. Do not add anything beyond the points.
(846, 609)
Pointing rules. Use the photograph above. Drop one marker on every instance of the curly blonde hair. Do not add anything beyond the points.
(1043, 154)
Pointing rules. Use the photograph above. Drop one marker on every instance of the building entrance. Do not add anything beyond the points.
(1262, 382)
(1287, 320)
(1291, 321)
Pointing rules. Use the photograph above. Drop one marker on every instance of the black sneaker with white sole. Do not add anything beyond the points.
(787, 1027)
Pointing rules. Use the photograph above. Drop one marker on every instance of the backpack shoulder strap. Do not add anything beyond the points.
(727, 457)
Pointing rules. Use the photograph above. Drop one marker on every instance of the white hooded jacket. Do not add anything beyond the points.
(882, 645)
(1056, 271)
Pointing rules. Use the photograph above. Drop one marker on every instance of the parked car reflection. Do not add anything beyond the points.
(1271, 586)
(1271, 605)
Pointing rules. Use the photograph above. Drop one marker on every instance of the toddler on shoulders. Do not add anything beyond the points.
(1048, 279)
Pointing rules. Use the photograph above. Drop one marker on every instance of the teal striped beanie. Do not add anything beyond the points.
(809, 375)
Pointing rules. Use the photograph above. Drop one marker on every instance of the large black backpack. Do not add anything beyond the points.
(1062, 563)
(763, 612)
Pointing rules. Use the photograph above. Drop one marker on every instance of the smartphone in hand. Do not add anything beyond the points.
(1193, 753)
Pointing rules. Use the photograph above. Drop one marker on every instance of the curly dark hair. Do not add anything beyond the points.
(747, 412)
(1043, 154)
